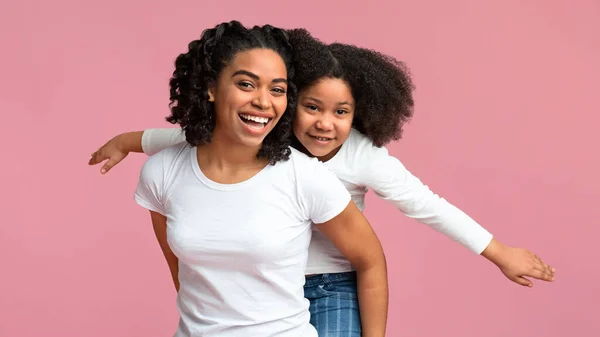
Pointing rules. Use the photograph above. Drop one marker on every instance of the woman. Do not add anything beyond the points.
(353, 101)
(232, 207)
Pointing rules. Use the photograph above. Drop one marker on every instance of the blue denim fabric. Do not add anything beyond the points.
(334, 304)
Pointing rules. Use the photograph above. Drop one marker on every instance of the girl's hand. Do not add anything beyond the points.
(518, 264)
(113, 150)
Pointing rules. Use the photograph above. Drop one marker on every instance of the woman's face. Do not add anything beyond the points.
(250, 97)
(324, 117)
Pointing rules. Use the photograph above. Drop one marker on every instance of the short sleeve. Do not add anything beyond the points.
(321, 192)
(156, 140)
(150, 189)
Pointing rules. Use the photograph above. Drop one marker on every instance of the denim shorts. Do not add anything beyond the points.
(334, 308)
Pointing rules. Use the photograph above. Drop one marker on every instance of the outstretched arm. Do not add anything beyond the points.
(393, 182)
(149, 141)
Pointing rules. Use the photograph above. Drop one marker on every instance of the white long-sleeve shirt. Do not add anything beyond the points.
(360, 165)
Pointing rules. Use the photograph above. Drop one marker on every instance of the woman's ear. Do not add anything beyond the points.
(211, 94)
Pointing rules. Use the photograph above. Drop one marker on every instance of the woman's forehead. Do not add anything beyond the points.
(266, 64)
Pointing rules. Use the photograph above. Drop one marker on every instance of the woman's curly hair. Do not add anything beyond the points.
(380, 84)
(199, 68)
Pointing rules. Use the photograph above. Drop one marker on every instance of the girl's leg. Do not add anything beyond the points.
(334, 308)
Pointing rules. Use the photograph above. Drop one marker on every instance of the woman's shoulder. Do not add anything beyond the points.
(300, 165)
(166, 158)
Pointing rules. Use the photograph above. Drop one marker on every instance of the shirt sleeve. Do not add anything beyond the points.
(321, 192)
(390, 180)
(156, 140)
(150, 189)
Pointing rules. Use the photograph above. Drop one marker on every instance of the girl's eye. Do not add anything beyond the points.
(312, 107)
(341, 112)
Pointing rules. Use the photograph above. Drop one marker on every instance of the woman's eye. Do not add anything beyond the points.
(279, 90)
(245, 85)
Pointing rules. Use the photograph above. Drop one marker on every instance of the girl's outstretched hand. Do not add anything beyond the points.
(113, 151)
(518, 264)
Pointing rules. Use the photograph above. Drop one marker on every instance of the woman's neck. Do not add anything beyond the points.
(226, 156)
(228, 163)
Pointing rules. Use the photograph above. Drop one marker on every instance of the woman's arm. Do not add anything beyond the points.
(150, 194)
(328, 204)
(149, 141)
(355, 239)
(159, 222)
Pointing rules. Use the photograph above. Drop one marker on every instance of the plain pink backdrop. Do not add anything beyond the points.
(506, 127)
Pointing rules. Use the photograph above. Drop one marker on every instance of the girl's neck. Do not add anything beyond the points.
(330, 155)
(298, 146)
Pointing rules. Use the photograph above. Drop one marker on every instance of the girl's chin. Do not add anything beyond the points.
(318, 152)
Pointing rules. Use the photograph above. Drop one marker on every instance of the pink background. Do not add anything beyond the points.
(506, 127)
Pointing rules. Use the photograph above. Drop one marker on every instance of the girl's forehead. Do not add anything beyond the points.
(330, 89)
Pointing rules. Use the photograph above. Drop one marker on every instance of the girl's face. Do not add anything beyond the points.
(249, 97)
(324, 117)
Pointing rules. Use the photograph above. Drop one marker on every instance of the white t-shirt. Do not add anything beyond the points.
(242, 248)
(361, 165)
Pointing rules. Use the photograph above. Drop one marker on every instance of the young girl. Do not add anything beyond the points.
(233, 206)
(352, 101)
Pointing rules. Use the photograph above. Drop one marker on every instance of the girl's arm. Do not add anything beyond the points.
(393, 182)
(149, 141)
(355, 239)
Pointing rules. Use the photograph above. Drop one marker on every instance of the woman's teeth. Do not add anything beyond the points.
(262, 120)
